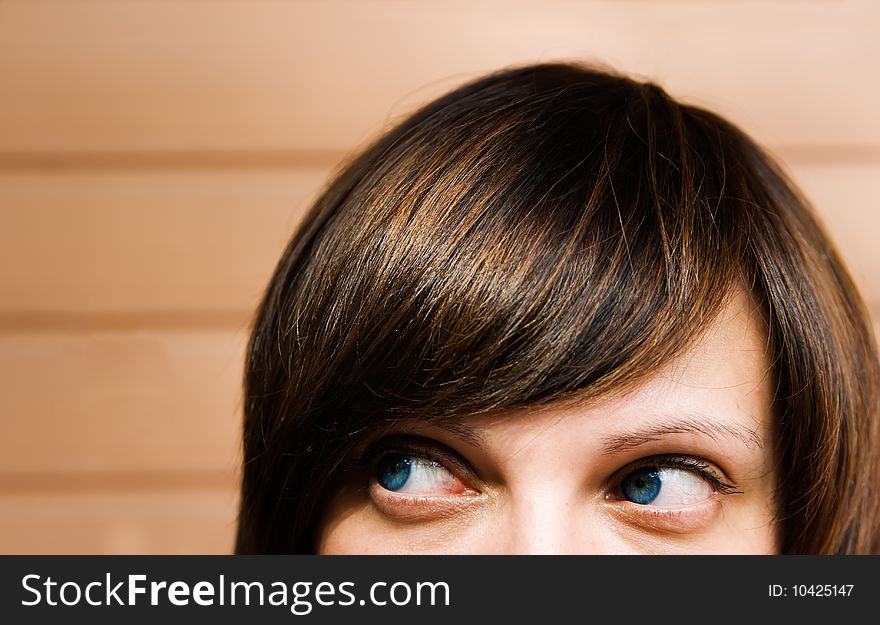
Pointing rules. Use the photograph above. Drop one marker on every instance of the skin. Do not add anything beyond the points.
(549, 481)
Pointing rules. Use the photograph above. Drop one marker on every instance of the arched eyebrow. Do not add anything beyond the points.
(693, 423)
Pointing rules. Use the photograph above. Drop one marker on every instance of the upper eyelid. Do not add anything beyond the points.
(418, 446)
(704, 468)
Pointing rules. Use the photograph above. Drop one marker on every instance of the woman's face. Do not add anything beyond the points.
(682, 464)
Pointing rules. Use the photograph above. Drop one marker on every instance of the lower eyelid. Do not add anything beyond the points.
(401, 506)
(678, 520)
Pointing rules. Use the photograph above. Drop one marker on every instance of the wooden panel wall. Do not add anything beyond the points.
(155, 157)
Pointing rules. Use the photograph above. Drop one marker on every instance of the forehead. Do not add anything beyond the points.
(725, 376)
(731, 355)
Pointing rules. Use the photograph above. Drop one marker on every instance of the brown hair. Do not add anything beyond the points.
(550, 232)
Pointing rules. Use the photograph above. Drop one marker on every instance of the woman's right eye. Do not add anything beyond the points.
(409, 474)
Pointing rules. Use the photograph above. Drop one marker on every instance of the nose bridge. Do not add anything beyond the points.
(547, 506)
(541, 521)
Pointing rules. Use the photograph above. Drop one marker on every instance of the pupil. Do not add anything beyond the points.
(642, 486)
(393, 471)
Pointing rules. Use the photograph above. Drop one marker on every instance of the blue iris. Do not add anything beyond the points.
(642, 486)
(393, 471)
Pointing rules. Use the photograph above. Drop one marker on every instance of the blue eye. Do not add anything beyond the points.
(393, 471)
(667, 487)
(414, 475)
(642, 486)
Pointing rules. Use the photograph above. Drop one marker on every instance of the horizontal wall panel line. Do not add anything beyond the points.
(829, 154)
(205, 320)
(166, 402)
(171, 160)
(117, 481)
(89, 322)
(271, 160)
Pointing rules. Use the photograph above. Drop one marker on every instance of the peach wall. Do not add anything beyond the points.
(155, 156)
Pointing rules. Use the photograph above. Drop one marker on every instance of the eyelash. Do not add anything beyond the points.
(687, 463)
(371, 456)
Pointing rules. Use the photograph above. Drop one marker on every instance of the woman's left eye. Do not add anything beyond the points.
(665, 487)
(412, 475)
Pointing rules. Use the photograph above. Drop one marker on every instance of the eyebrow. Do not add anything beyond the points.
(694, 423)
(462, 431)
